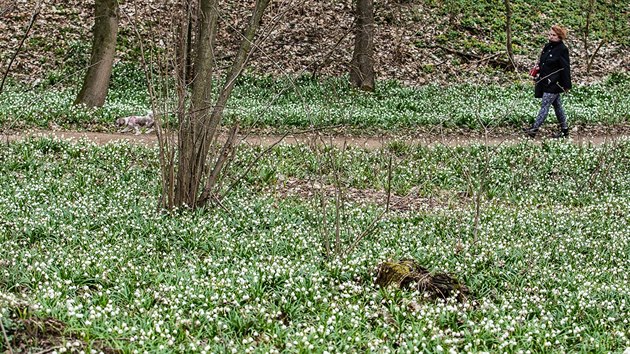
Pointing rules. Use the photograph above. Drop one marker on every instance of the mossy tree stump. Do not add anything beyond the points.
(408, 274)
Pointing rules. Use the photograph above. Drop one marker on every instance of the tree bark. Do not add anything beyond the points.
(96, 82)
(362, 65)
(191, 130)
(199, 127)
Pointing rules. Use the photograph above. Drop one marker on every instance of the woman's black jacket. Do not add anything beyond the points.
(555, 71)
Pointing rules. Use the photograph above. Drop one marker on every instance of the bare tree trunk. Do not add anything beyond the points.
(508, 32)
(189, 43)
(96, 82)
(192, 127)
(199, 127)
(185, 47)
(237, 68)
(362, 65)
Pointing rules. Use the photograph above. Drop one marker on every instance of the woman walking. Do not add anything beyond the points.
(553, 77)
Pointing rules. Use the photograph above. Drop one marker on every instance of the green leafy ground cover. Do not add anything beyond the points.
(285, 104)
(484, 22)
(80, 241)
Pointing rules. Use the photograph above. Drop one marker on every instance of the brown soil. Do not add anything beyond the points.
(595, 136)
(307, 190)
(47, 335)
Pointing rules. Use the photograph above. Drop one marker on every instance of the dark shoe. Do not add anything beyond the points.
(564, 133)
(531, 132)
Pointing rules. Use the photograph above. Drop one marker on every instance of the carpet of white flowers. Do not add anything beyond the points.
(539, 233)
(305, 103)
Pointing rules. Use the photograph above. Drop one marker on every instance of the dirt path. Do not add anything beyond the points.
(370, 142)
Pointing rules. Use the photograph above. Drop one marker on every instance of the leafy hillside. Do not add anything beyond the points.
(417, 42)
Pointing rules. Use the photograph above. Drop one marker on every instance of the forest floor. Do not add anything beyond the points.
(416, 42)
(297, 187)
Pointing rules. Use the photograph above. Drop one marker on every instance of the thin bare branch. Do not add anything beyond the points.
(228, 147)
(251, 165)
(8, 8)
(339, 200)
(372, 227)
(326, 58)
(166, 153)
(324, 226)
(589, 66)
(6, 338)
(508, 32)
(38, 9)
(238, 65)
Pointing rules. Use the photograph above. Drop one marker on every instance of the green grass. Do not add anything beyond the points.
(294, 104)
(80, 241)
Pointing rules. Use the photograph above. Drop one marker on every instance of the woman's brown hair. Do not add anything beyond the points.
(560, 31)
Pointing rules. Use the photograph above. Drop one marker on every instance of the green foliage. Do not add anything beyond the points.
(393, 106)
(480, 24)
(52, 101)
(281, 104)
(80, 241)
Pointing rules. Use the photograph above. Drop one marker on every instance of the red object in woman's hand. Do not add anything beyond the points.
(533, 72)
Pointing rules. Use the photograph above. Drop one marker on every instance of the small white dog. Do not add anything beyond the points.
(135, 123)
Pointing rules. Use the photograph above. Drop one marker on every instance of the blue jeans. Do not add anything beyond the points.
(551, 99)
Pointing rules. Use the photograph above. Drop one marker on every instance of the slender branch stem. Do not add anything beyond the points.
(6, 338)
(17, 51)
(370, 229)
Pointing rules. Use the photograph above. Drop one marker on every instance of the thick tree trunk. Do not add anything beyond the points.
(362, 65)
(96, 82)
(199, 127)
(192, 127)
